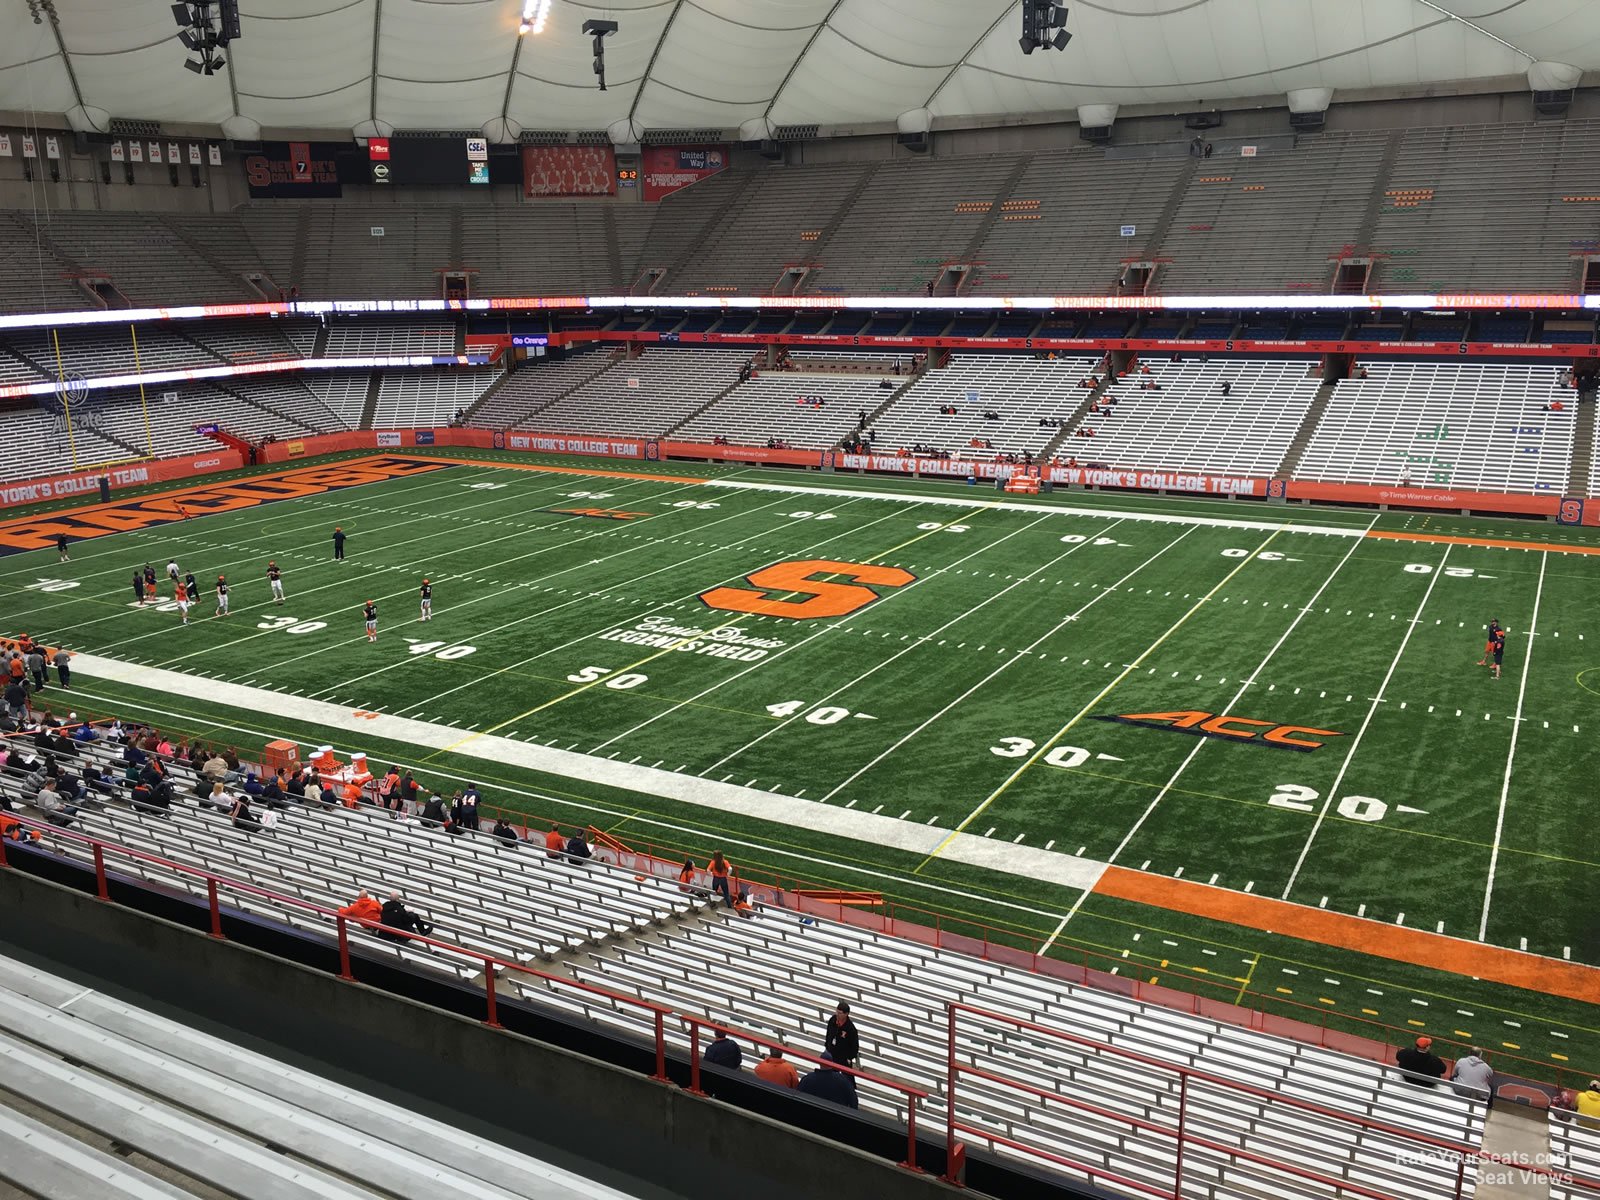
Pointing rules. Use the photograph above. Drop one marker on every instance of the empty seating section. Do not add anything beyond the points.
(361, 337)
(220, 239)
(1481, 207)
(37, 443)
(1574, 1155)
(1062, 229)
(345, 256)
(343, 392)
(146, 261)
(1190, 425)
(678, 222)
(108, 349)
(641, 936)
(34, 279)
(536, 384)
(173, 412)
(255, 340)
(769, 228)
(126, 1087)
(646, 395)
(407, 398)
(904, 224)
(1475, 427)
(1270, 223)
(291, 396)
(1020, 391)
(550, 247)
(777, 404)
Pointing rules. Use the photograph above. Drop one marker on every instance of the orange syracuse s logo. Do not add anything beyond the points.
(824, 597)
(1238, 729)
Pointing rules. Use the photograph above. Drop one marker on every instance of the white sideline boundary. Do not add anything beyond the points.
(1065, 869)
(1098, 514)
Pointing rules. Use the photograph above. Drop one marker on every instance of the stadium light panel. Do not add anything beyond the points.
(534, 15)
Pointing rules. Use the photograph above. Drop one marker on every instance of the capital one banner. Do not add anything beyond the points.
(668, 169)
(569, 171)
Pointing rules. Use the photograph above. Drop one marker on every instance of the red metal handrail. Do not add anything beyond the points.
(490, 965)
(1463, 1151)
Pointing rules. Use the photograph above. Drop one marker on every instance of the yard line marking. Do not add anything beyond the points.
(786, 723)
(1248, 682)
(1511, 754)
(1051, 940)
(1105, 691)
(1355, 745)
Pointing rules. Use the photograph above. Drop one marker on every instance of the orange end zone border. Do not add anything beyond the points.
(1496, 543)
(1457, 956)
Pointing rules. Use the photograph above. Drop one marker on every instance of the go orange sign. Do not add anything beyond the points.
(824, 598)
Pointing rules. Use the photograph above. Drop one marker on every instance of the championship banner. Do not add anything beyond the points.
(668, 169)
(569, 171)
(294, 171)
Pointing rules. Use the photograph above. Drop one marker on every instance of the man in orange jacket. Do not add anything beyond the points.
(777, 1070)
(364, 909)
(554, 844)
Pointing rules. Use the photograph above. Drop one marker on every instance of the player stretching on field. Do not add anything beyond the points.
(1488, 646)
(371, 613)
(180, 593)
(172, 569)
(222, 596)
(275, 579)
(427, 601)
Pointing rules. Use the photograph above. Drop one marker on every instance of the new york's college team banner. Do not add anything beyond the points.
(569, 171)
(87, 483)
(668, 169)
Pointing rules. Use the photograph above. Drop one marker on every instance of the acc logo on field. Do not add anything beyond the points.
(827, 599)
(1239, 729)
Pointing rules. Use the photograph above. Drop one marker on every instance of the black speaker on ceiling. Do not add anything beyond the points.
(1552, 104)
(1308, 122)
(1202, 120)
(917, 143)
(1097, 135)
(770, 149)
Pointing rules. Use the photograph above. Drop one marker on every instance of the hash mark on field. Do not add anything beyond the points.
(852, 804)
(1400, 919)
(905, 814)
(1251, 886)
(1018, 838)
(990, 831)
(1081, 849)
(877, 810)
(1050, 845)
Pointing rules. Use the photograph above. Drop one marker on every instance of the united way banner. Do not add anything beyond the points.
(668, 169)
(569, 171)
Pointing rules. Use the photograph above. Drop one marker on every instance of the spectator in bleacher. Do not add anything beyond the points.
(554, 842)
(242, 817)
(389, 788)
(433, 814)
(397, 916)
(578, 850)
(296, 784)
(409, 791)
(469, 807)
(686, 877)
(363, 908)
(1587, 1104)
(16, 698)
(458, 813)
(272, 794)
(504, 834)
(842, 1041)
(1418, 1063)
(13, 830)
(724, 1052)
(1473, 1076)
(777, 1070)
(327, 797)
(720, 869)
(53, 805)
(1227, 386)
(217, 798)
(215, 768)
(827, 1082)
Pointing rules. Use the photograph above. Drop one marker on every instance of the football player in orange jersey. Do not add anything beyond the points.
(180, 593)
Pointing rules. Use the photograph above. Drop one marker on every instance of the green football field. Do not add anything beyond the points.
(970, 702)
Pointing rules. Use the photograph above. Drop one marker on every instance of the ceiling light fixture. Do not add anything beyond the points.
(534, 15)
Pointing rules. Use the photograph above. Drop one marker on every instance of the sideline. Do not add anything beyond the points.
(1004, 857)
(1439, 951)
(1445, 539)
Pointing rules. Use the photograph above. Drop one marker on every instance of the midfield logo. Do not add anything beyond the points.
(605, 514)
(1239, 729)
